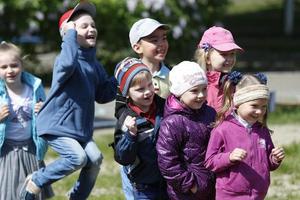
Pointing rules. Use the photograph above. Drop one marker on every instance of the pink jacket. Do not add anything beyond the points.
(214, 90)
(250, 178)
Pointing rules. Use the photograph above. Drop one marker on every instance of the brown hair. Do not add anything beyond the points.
(139, 77)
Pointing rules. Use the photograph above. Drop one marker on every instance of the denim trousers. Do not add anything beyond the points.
(73, 156)
(126, 185)
(149, 192)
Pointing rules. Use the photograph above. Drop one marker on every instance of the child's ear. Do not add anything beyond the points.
(137, 48)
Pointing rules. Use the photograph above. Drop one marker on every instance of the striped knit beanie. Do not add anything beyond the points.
(126, 70)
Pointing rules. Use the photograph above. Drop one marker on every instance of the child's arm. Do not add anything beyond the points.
(107, 88)
(169, 158)
(4, 112)
(276, 157)
(126, 142)
(216, 159)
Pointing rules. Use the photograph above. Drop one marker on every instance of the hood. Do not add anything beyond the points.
(174, 106)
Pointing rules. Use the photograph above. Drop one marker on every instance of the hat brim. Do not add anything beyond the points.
(227, 47)
(152, 29)
(84, 6)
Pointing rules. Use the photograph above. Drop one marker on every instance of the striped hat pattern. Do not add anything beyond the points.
(126, 70)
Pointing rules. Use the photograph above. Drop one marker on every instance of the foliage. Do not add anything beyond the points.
(285, 114)
(114, 19)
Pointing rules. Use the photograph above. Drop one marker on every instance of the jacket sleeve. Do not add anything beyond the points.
(273, 165)
(65, 63)
(107, 88)
(169, 151)
(125, 146)
(216, 159)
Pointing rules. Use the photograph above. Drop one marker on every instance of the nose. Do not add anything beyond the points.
(201, 94)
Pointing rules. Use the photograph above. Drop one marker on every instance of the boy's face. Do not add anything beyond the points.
(10, 67)
(86, 30)
(142, 94)
(154, 47)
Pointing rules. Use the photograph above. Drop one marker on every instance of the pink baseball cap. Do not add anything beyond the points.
(84, 5)
(219, 38)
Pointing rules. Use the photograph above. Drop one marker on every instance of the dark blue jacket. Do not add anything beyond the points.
(137, 153)
(181, 148)
(78, 81)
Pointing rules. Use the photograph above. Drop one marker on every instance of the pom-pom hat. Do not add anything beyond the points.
(126, 70)
(184, 76)
(84, 5)
(219, 38)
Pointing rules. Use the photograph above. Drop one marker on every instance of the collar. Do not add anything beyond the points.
(241, 120)
(163, 72)
(216, 78)
(87, 53)
(150, 115)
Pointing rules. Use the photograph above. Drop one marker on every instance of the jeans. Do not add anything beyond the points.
(126, 185)
(73, 156)
(149, 192)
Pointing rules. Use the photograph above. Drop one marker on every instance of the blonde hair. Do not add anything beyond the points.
(201, 57)
(230, 88)
(7, 46)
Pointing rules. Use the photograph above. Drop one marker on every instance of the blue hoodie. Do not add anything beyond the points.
(38, 95)
(78, 81)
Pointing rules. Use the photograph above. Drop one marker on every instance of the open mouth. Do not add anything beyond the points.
(90, 37)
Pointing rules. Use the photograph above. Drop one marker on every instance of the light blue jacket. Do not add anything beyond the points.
(78, 81)
(38, 95)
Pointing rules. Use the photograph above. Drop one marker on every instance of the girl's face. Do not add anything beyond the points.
(221, 61)
(10, 67)
(253, 111)
(195, 97)
(153, 47)
(86, 31)
(142, 94)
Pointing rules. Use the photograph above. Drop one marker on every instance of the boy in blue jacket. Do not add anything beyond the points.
(66, 118)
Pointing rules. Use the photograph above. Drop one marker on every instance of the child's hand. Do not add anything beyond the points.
(278, 154)
(4, 112)
(237, 155)
(38, 106)
(130, 123)
(68, 25)
(194, 189)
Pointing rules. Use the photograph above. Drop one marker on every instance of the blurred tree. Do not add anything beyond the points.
(34, 24)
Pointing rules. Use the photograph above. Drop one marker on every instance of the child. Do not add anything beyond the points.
(21, 96)
(184, 135)
(148, 39)
(66, 118)
(240, 150)
(137, 130)
(216, 53)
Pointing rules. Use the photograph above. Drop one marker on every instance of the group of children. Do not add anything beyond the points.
(197, 131)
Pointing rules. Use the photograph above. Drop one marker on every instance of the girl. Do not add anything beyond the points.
(240, 150)
(22, 152)
(137, 130)
(216, 53)
(184, 135)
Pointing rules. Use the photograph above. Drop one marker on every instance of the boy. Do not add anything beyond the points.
(66, 118)
(137, 129)
(148, 38)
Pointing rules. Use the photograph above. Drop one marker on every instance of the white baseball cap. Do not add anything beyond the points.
(143, 28)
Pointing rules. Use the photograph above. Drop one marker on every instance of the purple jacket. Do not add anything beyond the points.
(250, 178)
(181, 148)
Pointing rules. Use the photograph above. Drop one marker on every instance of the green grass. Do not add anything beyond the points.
(285, 114)
(286, 179)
